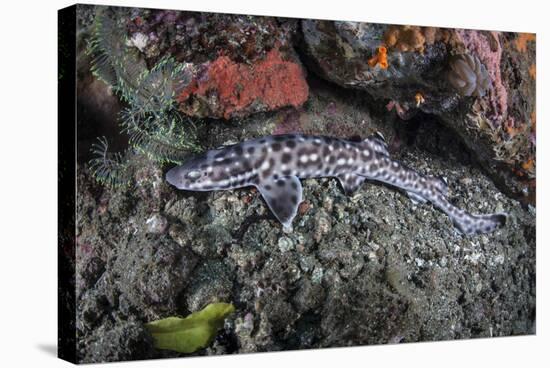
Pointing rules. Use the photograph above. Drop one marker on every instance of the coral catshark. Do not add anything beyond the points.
(275, 164)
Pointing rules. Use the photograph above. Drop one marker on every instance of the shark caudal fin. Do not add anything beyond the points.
(480, 224)
(468, 223)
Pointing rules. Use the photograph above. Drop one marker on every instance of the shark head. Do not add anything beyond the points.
(192, 175)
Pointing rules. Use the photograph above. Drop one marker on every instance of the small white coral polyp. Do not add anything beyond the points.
(468, 75)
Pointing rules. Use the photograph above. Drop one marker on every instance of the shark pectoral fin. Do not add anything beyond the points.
(351, 182)
(415, 198)
(282, 195)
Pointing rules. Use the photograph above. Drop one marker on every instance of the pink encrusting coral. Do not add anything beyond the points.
(240, 88)
(487, 47)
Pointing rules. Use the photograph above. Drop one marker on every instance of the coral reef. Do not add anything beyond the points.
(365, 269)
(448, 67)
(234, 65)
(372, 268)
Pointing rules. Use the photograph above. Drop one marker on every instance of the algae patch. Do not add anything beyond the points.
(189, 334)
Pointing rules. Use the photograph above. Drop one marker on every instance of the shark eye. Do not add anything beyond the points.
(195, 174)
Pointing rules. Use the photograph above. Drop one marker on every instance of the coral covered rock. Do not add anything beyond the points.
(366, 268)
(228, 89)
(481, 84)
(234, 65)
(355, 55)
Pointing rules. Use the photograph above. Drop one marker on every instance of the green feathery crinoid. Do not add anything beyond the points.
(151, 120)
(110, 169)
(171, 141)
(107, 47)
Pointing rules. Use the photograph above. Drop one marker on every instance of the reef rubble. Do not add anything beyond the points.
(367, 269)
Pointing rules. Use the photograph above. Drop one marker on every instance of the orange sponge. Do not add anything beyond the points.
(381, 58)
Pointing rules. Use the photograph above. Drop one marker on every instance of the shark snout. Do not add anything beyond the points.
(173, 176)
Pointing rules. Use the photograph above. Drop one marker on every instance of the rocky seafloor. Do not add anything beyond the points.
(371, 268)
